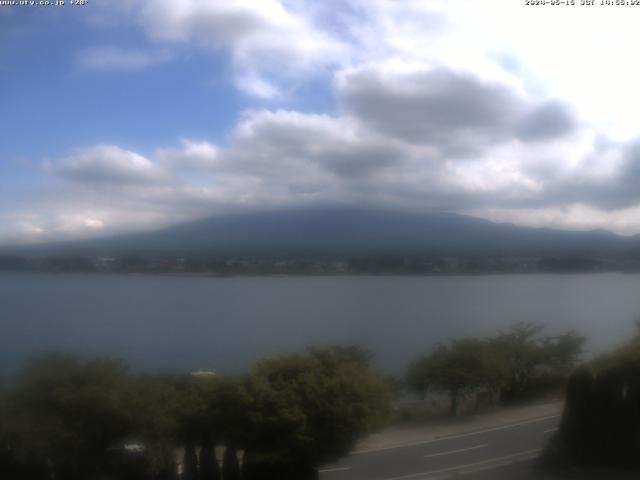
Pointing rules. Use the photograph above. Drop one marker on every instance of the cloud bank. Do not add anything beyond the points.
(432, 113)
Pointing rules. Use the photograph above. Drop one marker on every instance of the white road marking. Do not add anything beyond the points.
(334, 469)
(549, 430)
(522, 456)
(451, 452)
(455, 436)
(498, 461)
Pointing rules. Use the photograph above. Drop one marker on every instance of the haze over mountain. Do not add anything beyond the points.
(343, 231)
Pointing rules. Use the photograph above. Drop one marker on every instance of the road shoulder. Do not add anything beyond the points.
(399, 436)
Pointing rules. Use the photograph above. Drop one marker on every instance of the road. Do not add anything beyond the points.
(503, 451)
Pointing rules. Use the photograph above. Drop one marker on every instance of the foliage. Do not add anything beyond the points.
(562, 352)
(71, 419)
(209, 468)
(187, 410)
(521, 353)
(70, 413)
(601, 420)
(459, 367)
(230, 464)
(524, 352)
(190, 462)
(157, 404)
(420, 375)
(312, 407)
(506, 363)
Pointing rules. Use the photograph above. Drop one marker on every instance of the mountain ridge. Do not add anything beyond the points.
(342, 231)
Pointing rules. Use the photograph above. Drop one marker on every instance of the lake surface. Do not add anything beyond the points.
(225, 324)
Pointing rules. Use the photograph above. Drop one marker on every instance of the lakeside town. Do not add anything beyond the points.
(326, 265)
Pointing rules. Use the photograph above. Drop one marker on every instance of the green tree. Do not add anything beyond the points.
(459, 367)
(7, 460)
(601, 420)
(522, 354)
(420, 375)
(525, 352)
(190, 462)
(191, 412)
(209, 467)
(562, 352)
(157, 404)
(70, 414)
(305, 410)
(219, 418)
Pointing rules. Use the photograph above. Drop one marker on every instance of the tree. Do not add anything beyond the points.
(189, 412)
(190, 462)
(420, 375)
(157, 404)
(524, 352)
(209, 468)
(7, 458)
(230, 465)
(70, 414)
(226, 418)
(306, 410)
(70, 419)
(562, 352)
(521, 353)
(185, 411)
(601, 420)
(459, 367)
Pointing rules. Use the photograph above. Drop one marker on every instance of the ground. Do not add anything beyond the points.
(504, 443)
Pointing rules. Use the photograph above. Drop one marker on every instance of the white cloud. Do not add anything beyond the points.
(449, 104)
(256, 32)
(270, 45)
(454, 110)
(107, 164)
(597, 78)
(192, 155)
(574, 216)
(285, 158)
(257, 86)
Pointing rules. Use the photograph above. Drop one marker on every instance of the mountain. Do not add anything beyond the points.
(343, 231)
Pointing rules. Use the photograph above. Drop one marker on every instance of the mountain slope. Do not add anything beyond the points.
(344, 231)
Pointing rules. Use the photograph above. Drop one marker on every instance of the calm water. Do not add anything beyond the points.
(224, 324)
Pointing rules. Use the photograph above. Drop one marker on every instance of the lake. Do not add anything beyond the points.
(225, 324)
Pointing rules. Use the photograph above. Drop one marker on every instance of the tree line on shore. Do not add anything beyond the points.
(600, 423)
(70, 419)
(508, 367)
(433, 264)
(73, 419)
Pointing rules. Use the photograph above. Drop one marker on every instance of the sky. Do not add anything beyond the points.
(130, 115)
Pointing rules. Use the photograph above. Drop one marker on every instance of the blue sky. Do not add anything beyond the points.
(132, 115)
(66, 104)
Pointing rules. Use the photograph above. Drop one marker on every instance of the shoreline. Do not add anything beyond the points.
(326, 275)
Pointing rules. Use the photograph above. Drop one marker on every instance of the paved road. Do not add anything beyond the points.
(506, 451)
